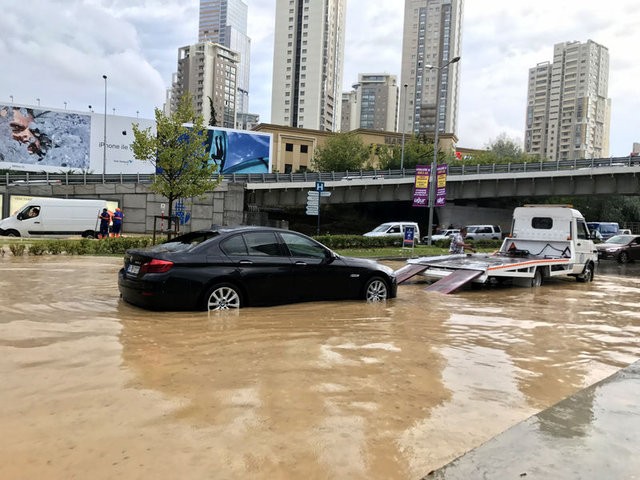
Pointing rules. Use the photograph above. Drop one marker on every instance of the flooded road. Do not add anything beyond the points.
(95, 388)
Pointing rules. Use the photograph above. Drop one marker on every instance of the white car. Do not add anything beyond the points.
(444, 235)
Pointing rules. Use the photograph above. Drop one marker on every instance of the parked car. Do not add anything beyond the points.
(225, 268)
(443, 235)
(484, 232)
(623, 248)
(395, 229)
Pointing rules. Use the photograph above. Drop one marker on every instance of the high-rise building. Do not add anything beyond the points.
(208, 71)
(568, 112)
(225, 22)
(431, 38)
(373, 103)
(308, 63)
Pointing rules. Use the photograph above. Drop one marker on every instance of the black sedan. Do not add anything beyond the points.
(246, 266)
(622, 248)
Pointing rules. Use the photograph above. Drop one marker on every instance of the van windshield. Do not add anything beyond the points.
(382, 228)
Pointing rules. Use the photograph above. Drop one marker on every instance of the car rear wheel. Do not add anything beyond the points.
(376, 290)
(12, 233)
(623, 257)
(223, 296)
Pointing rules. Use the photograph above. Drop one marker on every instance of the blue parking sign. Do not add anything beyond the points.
(319, 186)
(409, 233)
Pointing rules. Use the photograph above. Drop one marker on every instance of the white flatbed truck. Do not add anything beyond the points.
(545, 241)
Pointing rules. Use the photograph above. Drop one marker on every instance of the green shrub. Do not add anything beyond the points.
(17, 248)
(37, 248)
(55, 247)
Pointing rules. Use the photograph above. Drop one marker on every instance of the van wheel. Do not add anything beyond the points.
(88, 234)
(587, 274)
(13, 233)
(536, 281)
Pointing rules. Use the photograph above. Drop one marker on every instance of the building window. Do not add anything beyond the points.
(304, 148)
(288, 147)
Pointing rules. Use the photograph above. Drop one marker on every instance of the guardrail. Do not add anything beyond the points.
(29, 178)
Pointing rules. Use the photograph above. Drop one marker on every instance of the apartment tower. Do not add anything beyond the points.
(225, 22)
(308, 63)
(372, 104)
(431, 38)
(208, 71)
(568, 112)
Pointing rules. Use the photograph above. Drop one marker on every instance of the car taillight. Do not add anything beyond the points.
(156, 266)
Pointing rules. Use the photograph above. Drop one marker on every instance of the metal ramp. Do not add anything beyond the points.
(453, 281)
(408, 271)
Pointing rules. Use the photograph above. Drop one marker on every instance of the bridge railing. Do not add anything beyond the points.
(17, 178)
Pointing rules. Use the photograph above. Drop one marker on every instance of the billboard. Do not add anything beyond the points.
(239, 151)
(48, 140)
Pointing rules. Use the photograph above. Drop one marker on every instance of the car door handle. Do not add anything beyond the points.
(301, 264)
(245, 262)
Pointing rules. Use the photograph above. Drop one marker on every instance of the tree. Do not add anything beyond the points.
(213, 121)
(418, 150)
(178, 152)
(501, 150)
(341, 153)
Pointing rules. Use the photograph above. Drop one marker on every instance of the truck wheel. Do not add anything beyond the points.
(587, 274)
(536, 281)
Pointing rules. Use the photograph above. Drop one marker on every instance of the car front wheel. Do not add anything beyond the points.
(376, 290)
(623, 257)
(223, 296)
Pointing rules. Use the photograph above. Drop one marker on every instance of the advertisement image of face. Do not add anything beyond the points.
(21, 131)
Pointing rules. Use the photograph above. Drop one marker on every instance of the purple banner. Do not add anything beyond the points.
(441, 185)
(421, 190)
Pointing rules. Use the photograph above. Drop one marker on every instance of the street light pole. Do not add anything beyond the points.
(104, 137)
(434, 166)
(403, 126)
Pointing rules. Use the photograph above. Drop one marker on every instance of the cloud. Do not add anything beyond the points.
(58, 50)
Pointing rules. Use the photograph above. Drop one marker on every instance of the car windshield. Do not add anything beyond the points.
(619, 239)
(472, 229)
(382, 228)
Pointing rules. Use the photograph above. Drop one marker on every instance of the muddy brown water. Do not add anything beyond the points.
(95, 388)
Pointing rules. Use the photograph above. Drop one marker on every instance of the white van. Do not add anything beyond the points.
(54, 217)
(395, 229)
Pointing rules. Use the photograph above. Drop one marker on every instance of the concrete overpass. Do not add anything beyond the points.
(585, 177)
(243, 198)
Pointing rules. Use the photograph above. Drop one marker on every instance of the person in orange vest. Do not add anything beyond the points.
(117, 222)
(105, 219)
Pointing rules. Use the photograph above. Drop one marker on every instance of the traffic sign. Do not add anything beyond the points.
(312, 210)
(315, 194)
(319, 186)
(313, 201)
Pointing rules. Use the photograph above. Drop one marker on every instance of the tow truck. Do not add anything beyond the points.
(546, 241)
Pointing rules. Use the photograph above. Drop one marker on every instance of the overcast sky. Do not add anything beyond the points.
(58, 50)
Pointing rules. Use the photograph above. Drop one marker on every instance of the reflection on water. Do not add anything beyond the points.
(93, 387)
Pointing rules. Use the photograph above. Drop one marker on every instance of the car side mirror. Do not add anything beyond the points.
(20, 216)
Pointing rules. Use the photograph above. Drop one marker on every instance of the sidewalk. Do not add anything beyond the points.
(594, 434)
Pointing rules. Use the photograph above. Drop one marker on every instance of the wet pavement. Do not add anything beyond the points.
(95, 388)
